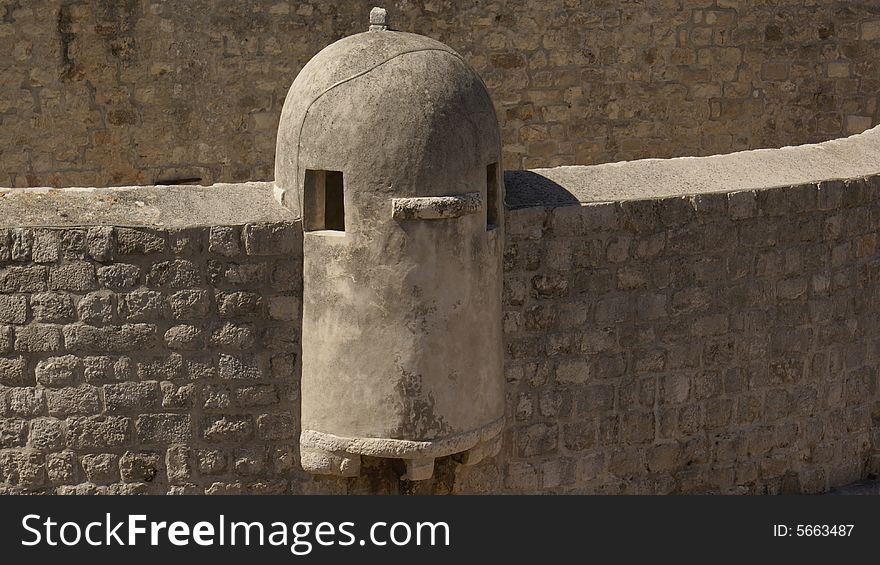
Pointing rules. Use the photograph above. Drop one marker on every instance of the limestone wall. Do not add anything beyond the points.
(113, 92)
(718, 343)
(722, 338)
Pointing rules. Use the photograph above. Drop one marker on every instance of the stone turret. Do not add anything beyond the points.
(389, 149)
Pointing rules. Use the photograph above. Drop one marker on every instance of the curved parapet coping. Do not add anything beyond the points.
(157, 206)
(839, 159)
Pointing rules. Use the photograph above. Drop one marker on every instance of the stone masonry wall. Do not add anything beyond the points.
(148, 361)
(723, 343)
(112, 92)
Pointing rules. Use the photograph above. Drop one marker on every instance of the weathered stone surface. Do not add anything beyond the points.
(111, 339)
(239, 304)
(164, 428)
(131, 397)
(139, 242)
(179, 273)
(13, 432)
(23, 467)
(39, 338)
(185, 337)
(100, 369)
(26, 402)
(13, 372)
(70, 401)
(59, 371)
(13, 309)
(6, 339)
(143, 305)
(74, 275)
(189, 304)
(234, 336)
(23, 279)
(52, 307)
(61, 468)
(45, 246)
(225, 240)
(96, 307)
(101, 468)
(280, 238)
(46, 434)
(228, 429)
(137, 467)
(98, 432)
(179, 462)
(101, 243)
(244, 367)
(119, 276)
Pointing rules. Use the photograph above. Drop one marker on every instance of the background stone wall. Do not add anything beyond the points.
(723, 343)
(112, 92)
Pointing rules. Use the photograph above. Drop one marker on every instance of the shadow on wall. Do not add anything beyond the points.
(525, 189)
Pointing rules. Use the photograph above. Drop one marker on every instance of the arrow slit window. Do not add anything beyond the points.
(492, 200)
(323, 201)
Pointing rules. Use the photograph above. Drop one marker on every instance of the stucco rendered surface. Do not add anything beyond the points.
(402, 340)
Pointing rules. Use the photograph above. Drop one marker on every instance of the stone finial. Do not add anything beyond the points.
(378, 18)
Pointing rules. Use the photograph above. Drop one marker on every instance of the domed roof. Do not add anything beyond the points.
(389, 109)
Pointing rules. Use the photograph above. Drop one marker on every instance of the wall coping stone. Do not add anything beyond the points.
(174, 206)
(839, 159)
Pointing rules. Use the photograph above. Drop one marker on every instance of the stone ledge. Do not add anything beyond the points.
(181, 206)
(847, 158)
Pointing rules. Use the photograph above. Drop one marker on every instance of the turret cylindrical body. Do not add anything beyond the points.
(389, 148)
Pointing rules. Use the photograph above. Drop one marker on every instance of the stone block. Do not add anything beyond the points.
(59, 371)
(225, 240)
(281, 238)
(131, 396)
(45, 246)
(101, 243)
(275, 427)
(139, 241)
(143, 305)
(191, 304)
(185, 338)
(111, 339)
(239, 367)
(164, 428)
(96, 307)
(234, 336)
(179, 273)
(13, 309)
(227, 429)
(139, 467)
(39, 338)
(101, 468)
(73, 275)
(13, 432)
(26, 402)
(98, 432)
(119, 276)
(52, 307)
(24, 279)
(69, 401)
(46, 434)
(179, 462)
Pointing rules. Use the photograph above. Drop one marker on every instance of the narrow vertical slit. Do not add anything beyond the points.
(492, 200)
